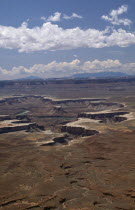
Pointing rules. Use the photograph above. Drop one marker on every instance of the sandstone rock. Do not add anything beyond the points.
(78, 131)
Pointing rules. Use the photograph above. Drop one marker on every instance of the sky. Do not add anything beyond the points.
(59, 38)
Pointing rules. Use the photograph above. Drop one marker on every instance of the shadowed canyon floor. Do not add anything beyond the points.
(61, 152)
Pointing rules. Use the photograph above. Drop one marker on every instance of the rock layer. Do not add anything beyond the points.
(105, 117)
(78, 131)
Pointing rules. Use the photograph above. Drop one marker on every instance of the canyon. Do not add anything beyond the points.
(67, 145)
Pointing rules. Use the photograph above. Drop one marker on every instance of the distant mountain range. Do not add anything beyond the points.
(31, 78)
(99, 75)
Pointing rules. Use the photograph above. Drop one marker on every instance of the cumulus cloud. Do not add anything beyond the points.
(52, 37)
(101, 65)
(55, 18)
(60, 69)
(113, 16)
(75, 56)
(74, 15)
(43, 18)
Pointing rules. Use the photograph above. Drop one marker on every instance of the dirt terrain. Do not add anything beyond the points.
(67, 145)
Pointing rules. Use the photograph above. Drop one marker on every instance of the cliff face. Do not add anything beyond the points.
(63, 140)
(14, 128)
(5, 117)
(17, 99)
(66, 101)
(78, 131)
(19, 126)
(105, 117)
(88, 104)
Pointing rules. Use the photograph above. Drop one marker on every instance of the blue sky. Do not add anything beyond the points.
(52, 38)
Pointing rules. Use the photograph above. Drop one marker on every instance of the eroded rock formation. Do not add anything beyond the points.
(78, 130)
(5, 117)
(14, 128)
(59, 140)
(105, 117)
(16, 125)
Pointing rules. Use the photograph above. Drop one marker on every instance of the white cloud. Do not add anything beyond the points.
(55, 18)
(75, 56)
(114, 16)
(43, 18)
(52, 37)
(55, 69)
(101, 65)
(74, 15)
